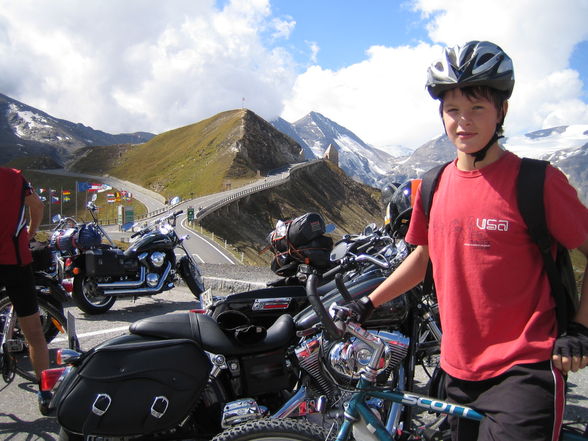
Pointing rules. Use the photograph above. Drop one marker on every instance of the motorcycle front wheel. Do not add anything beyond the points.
(274, 430)
(87, 297)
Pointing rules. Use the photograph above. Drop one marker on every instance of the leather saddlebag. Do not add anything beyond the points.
(134, 388)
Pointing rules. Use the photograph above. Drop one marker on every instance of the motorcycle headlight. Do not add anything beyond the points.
(157, 259)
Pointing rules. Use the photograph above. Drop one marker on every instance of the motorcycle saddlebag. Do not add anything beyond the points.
(105, 262)
(134, 388)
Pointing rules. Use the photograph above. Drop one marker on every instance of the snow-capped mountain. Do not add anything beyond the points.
(360, 161)
(566, 147)
(25, 130)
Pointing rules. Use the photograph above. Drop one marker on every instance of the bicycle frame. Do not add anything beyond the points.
(358, 409)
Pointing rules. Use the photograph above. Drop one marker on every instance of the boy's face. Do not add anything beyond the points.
(470, 122)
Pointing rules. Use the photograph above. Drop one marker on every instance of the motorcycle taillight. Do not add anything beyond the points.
(50, 377)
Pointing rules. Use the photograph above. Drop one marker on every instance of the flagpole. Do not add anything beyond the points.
(50, 199)
(61, 203)
(76, 199)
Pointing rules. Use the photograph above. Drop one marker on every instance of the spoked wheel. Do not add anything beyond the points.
(88, 298)
(274, 430)
(16, 354)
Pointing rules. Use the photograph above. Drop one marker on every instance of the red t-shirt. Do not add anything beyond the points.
(494, 298)
(14, 239)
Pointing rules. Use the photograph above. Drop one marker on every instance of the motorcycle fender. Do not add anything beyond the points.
(136, 387)
(57, 291)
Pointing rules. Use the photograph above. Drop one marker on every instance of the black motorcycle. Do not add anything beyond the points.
(287, 295)
(185, 375)
(102, 272)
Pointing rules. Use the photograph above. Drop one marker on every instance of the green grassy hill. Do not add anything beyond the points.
(226, 150)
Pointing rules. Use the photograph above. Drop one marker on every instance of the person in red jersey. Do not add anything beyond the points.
(500, 349)
(16, 274)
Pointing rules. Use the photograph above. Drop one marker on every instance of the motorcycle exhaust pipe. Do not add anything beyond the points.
(125, 284)
(142, 291)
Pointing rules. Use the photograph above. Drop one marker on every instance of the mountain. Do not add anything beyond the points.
(227, 149)
(26, 131)
(360, 161)
(319, 187)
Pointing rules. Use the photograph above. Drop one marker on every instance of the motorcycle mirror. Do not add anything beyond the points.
(94, 197)
(175, 200)
(55, 219)
(329, 228)
(339, 251)
(369, 229)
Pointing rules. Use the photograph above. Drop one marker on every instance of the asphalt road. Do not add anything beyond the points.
(20, 419)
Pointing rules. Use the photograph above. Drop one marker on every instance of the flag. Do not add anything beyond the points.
(41, 190)
(66, 192)
(104, 187)
(94, 187)
(110, 198)
(83, 186)
(66, 199)
(43, 198)
(55, 199)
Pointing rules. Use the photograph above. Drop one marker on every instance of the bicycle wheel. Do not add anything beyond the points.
(53, 323)
(274, 430)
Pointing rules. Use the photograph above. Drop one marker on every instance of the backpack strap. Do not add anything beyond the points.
(428, 186)
(530, 189)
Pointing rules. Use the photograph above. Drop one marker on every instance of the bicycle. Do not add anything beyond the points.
(14, 357)
(368, 411)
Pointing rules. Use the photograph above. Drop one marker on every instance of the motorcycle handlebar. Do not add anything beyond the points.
(328, 323)
(342, 288)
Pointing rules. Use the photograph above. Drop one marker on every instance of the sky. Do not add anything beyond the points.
(152, 65)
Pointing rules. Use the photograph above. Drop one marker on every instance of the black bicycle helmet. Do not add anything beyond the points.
(476, 63)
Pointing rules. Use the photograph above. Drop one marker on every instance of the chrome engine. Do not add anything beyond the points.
(333, 364)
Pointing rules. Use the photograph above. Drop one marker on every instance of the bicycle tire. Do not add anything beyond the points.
(53, 322)
(267, 429)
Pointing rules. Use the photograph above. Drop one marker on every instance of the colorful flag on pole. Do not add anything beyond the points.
(94, 187)
(41, 190)
(66, 199)
(66, 192)
(55, 199)
(83, 186)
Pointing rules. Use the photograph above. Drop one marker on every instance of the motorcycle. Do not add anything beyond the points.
(104, 272)
(186, 375)
(288, 295)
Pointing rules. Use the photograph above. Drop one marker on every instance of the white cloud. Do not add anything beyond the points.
(143, 64)
(382, 99)
(156, 65)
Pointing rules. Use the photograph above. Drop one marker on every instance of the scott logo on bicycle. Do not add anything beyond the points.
(438, 406)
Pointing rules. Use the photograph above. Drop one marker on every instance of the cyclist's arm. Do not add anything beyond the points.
(409, 274)
(35, 205)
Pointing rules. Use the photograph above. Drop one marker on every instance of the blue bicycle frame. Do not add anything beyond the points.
(357, 408)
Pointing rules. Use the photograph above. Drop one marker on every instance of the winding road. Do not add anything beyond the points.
(202, 248)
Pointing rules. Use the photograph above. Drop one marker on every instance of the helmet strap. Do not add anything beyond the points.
(481, 154)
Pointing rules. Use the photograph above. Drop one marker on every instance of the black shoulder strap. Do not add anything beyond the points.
(530, 183)
(530, 189)
(428, 185)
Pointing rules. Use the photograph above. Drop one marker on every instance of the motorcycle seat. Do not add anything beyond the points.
(205, 331)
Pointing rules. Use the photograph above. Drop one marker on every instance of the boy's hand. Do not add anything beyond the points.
(570, 352)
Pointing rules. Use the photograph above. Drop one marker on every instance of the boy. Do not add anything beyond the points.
(499, 347)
